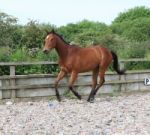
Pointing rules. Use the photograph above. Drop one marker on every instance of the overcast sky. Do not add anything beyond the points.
(61, 12)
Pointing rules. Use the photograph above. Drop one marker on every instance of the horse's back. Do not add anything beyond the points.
(98, 51)
(86, 59)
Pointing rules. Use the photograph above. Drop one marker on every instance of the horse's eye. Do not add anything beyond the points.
(52, 39)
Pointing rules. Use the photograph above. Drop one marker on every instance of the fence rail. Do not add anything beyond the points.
(55, 63)
(12, 65)
(13, 85)
(27, 63)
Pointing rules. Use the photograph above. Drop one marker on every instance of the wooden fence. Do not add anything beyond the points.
(13, 85)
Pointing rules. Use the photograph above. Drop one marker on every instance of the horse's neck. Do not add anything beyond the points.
(62, 49)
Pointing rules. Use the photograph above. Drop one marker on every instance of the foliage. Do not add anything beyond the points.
(137, 65)
(85, 32)
(128, 36)
(135, 30)
(133, 13)
(23, 55)
(7, 27)
(133, 24)
(32, 35)
(5, 57)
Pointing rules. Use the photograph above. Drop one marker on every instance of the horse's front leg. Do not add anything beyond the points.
(59, 77)
(71, 82)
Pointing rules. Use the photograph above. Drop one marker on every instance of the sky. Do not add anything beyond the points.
(62, 12)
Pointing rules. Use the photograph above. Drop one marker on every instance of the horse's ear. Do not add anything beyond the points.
(52, 31)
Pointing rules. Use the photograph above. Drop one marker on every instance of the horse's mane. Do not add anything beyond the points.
(53, 32)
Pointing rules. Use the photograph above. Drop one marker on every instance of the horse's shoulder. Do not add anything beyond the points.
(74, 48)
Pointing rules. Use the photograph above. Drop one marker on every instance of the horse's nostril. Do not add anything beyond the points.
(45, 51)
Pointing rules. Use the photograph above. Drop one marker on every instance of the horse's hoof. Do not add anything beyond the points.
(91, 100)
(79, 97)
(59, 99)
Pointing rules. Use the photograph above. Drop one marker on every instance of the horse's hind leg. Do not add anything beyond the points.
(102, 80)
(94, 82)
(71, 82)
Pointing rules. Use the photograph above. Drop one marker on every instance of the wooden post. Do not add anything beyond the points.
(1, 96)
(122, 65)
(12, 81)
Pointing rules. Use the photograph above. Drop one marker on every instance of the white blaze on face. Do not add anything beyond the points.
(47, 37)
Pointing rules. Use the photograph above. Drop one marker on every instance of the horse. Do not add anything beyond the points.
(74, 59)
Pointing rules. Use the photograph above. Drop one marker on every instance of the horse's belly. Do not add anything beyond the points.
(80, 68)
(83, 63)
(87, 68)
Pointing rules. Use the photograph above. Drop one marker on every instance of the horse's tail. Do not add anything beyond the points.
(116, 65)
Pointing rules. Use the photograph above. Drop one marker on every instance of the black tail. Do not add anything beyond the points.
(115, 64)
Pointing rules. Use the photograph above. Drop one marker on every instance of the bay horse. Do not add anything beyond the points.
(74, 59)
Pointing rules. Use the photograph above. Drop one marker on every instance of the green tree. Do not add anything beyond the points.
(7, 27)
(85, 32)
(133, 13)
(133, 24)
(32, 35)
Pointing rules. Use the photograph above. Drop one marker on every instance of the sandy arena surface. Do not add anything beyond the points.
(121, 115)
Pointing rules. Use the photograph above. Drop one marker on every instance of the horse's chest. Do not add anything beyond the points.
(67, 67)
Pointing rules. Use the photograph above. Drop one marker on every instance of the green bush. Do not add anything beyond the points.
(134, 24)
(137, 65)
(128, 36)
(4, 57)
(133, 13)
(22, 55)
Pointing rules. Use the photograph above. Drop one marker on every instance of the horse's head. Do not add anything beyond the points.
(49, 42)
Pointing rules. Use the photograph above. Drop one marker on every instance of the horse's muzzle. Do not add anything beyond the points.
(45, 51)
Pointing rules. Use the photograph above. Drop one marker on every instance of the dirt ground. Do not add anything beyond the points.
(121, 115)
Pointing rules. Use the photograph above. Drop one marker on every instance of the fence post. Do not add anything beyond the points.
(122, 65)
(122, 77)
(1, 96)
(12, 81)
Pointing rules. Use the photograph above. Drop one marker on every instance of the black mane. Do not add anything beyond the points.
(53, 32)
